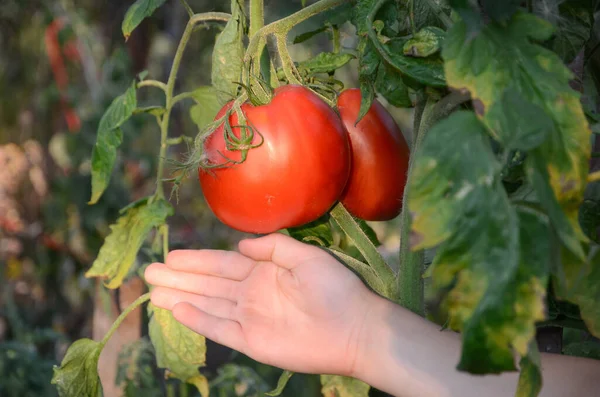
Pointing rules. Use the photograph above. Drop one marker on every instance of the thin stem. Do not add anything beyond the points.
(170, 87)
(257, 16)
(142, 299)
(365, 271)
(594, 177)
(187, 8)
(410, 284)
(284, 25)
(411, 16)
(337, 45)
(287, 63)
(152, 83)
(164, 229)
(366, 248)
(184, 95)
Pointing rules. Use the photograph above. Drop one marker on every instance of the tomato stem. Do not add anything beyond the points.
(257, 16)
(367, 249)
(153, 83)
(170, 87)
(139, 301)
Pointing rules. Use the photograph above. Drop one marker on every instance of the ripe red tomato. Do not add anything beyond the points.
(379, 160)
(293, 178)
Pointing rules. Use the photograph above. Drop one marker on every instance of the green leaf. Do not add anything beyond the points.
(317, 232)
(368, 231)
(588, 348)
(301, 38)
(77, 375)
(228, 54)
(342, 386)
(206, 108)
(108, 140)
(283, 380)
(425, 42)
(517, 123)
(391, 86)
(469, 13)
(367, 73)
(178, 348)
(485, 66)
(530, 378)
(325, 62)
(428, 71)
(574, 24)
(494, 259)
(360, 268)
(120, 249)
(140, 10)
(589, 218)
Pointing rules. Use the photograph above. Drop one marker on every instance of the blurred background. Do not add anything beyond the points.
(61, 64)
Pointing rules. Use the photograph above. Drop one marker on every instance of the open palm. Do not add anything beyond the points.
(279, 301)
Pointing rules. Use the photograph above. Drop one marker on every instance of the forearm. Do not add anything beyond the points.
(406, 355)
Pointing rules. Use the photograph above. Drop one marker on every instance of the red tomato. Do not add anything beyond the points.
(379, 160)
(294, 177)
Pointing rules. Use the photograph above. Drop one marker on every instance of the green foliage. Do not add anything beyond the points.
(342, 386)
(530, 378)
(228, 53)
(178, 349)
(234, 380)
(139, 11)
(120, 249)
(317, 232)
(425, 42)
(108, 140)
(78, 373)
(23, 372)
(206, 108)
(325, 62)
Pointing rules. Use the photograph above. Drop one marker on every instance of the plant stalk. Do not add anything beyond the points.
(257, 16)
(142, 299)
(170, 87)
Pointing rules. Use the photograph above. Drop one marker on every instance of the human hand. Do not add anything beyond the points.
(279, 301)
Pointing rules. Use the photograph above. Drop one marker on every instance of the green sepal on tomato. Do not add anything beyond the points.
(296, 174)
(380, 157)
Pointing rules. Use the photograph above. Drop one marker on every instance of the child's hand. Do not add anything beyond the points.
(278, 301)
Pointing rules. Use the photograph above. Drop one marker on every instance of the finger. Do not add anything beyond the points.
(167, 298)
(280, 249)
(224, 332)
(227, 264)
(160, 275)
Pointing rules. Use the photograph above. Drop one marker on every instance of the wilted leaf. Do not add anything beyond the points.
(341, 386)
(485, 66)
(228, 54)
(317, 232)
(108, 140)
(140, 10)
(425, 42)
(121, 247)
(495, 258)
(77, 375)
(178, 348)
(530, 378)
(281, 383)
(206, 108)
(325, 62)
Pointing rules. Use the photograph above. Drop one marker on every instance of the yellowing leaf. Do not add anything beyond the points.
(342, 386)
(493, 258)
(178, 349)
(501, 65)
(77, 375)
(121, 247)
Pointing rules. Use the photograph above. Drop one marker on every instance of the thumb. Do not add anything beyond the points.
(280, 249)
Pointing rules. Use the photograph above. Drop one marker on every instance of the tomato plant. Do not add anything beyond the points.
(499, 189)
(294, 172)
(379, 160)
